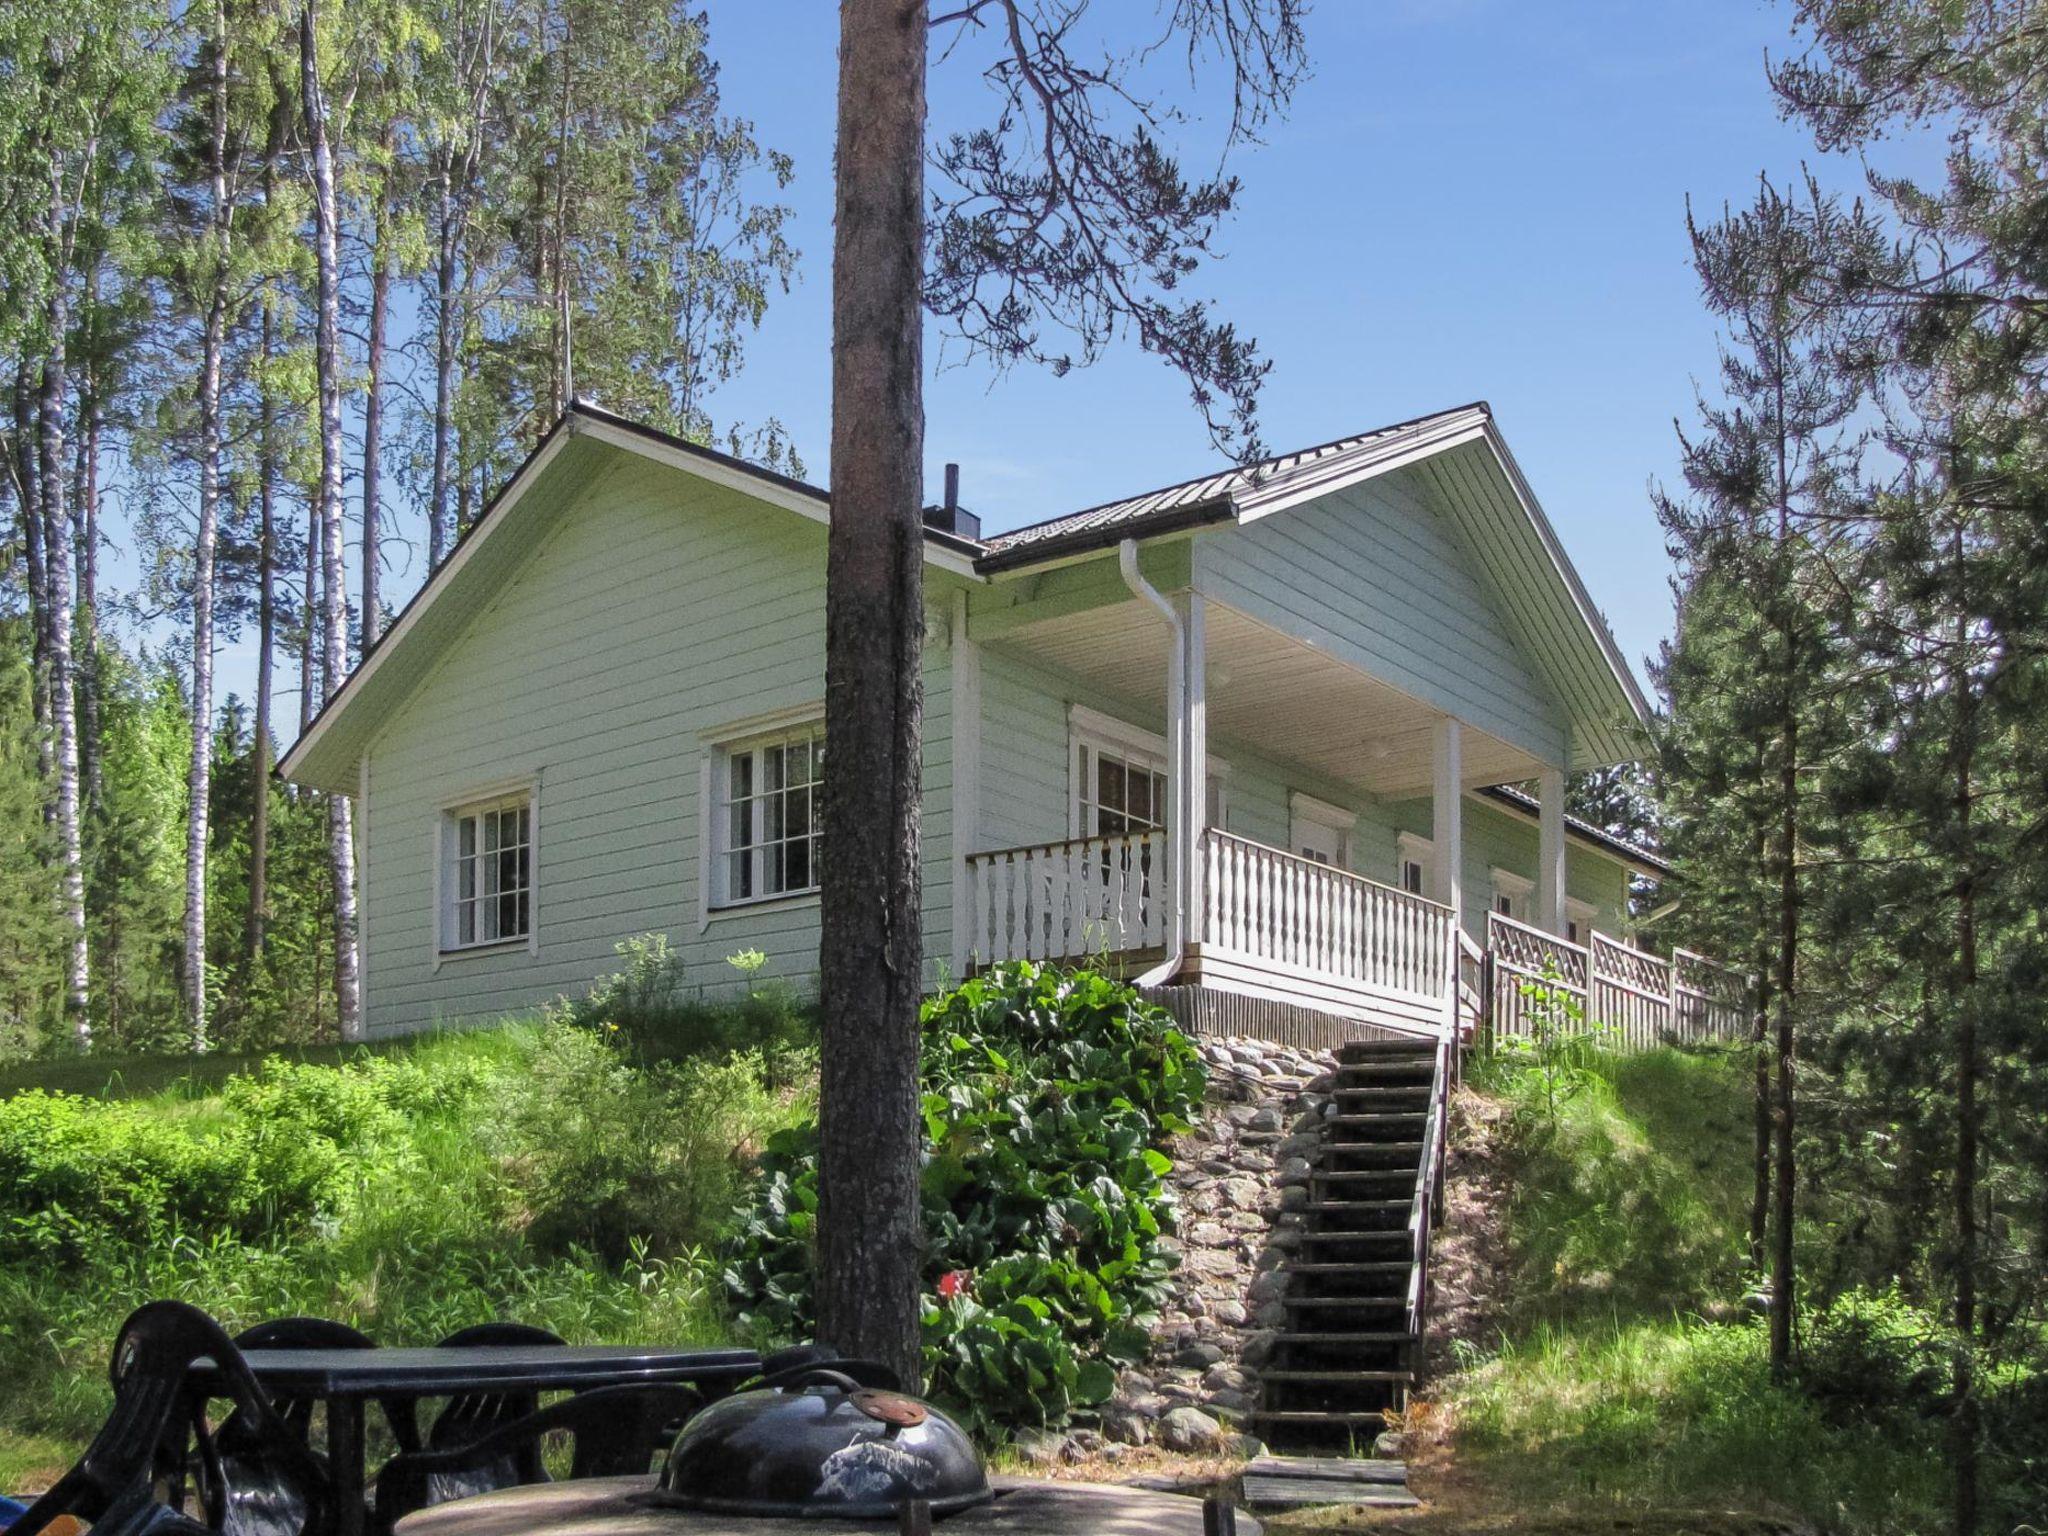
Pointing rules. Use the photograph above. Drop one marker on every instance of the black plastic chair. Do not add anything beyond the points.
(115, 1486)
(473, 1416)
(617, 1432)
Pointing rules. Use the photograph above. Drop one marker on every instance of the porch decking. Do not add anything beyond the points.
(1285, 945)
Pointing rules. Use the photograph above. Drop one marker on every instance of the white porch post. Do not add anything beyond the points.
(1447, 822)
(966, 708)
(1191, 812)
(1550, 852)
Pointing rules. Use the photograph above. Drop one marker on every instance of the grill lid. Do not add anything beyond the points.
(817, 1442)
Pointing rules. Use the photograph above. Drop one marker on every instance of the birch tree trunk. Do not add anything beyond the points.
(333, 573)
(57, 580)
(870, 950)
(438, 512)
(27, 438)
(373, 402)
(86, 534)
(199, 772)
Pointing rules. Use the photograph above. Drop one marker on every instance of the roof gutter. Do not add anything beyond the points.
(1201, 514)
(1179, 845)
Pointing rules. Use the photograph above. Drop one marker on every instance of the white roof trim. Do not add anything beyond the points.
(1568, 574)
(465, 551)
(1367, 461)
(579, 421)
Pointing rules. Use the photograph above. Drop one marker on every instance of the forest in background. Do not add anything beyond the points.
(287, 290)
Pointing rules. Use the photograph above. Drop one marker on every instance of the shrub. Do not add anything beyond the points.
(1874, 1352)
(607, 1155)
(1045, 1095)
(649, 1007)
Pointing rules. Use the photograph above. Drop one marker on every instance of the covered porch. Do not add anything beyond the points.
(1353, 901)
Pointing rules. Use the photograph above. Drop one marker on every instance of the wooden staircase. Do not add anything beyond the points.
(1358, 1287)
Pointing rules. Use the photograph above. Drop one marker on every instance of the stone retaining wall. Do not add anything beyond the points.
(1242, 1179)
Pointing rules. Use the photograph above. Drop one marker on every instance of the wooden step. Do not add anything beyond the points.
(1397, 1235)
(1337, 1378)
(1272, 1495)
(1345, 1208)
(1407, 1151)
(1356, 1302)
(1336, 1340)
(1384, 1093)
(1372, 1417)
(1339, 1267)
(1360, 1050)
(1349, 1469)
(1380, 1119)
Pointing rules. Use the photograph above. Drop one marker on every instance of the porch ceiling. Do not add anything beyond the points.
(1270, 693)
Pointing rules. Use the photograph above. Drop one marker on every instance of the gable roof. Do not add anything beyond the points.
(1473, 479)
(1209, 498)
(1509, 529)
(494, 546)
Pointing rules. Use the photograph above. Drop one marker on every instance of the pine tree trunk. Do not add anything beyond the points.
(1760, 1193)
(199, 772)
(373, 403)
(1783, 1280)
(266, 652)
(1968, 1114)
(57, 577)
(870, 953)
(333, 573)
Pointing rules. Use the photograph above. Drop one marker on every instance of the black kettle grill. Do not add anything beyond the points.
(815, 1441)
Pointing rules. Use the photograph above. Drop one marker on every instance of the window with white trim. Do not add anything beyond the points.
(1411, 863)
(1511, 893)
(1320, 831)
(766, 824)
(1120, 779)
(487, 872)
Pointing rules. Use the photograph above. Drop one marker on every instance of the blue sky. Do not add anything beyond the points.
(1472, 199)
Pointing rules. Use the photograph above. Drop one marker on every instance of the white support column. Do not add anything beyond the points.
(1193, 806)
(966, 708)
(1447, 820)
(1550, 852)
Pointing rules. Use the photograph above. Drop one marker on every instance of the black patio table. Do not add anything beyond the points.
(347, 1379)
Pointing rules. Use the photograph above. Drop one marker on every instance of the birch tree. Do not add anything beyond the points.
(326, 518)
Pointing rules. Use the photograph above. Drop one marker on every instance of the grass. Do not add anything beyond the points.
(1608, 1395)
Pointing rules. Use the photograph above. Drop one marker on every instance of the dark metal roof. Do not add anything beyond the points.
(1632, 853)
(1189, 503)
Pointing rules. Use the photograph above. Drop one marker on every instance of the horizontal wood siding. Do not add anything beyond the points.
(1376, 576)
(658, 608)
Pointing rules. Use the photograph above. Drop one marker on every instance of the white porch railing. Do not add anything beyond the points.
(1069, 900)
(1311, 919)
(1645, 1000)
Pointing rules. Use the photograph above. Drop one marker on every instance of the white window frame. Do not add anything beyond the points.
(714, 802)
(474, 801)
(1519, 889)
(1413, 848)
(1090, 731)
(1581, 914)
(1304, 808)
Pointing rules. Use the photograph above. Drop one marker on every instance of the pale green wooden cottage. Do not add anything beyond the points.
(602, 717)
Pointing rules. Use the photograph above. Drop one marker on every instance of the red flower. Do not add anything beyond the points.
(954, 1283)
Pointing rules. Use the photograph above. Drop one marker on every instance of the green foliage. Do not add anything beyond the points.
(1630, 1193)
(1678, 1413)
(1045, 1095)
(651, 1009)
(1557, 1059)
(607, 1155)
(409, 1190)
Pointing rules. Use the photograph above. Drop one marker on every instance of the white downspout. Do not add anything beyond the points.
(1179, 846)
